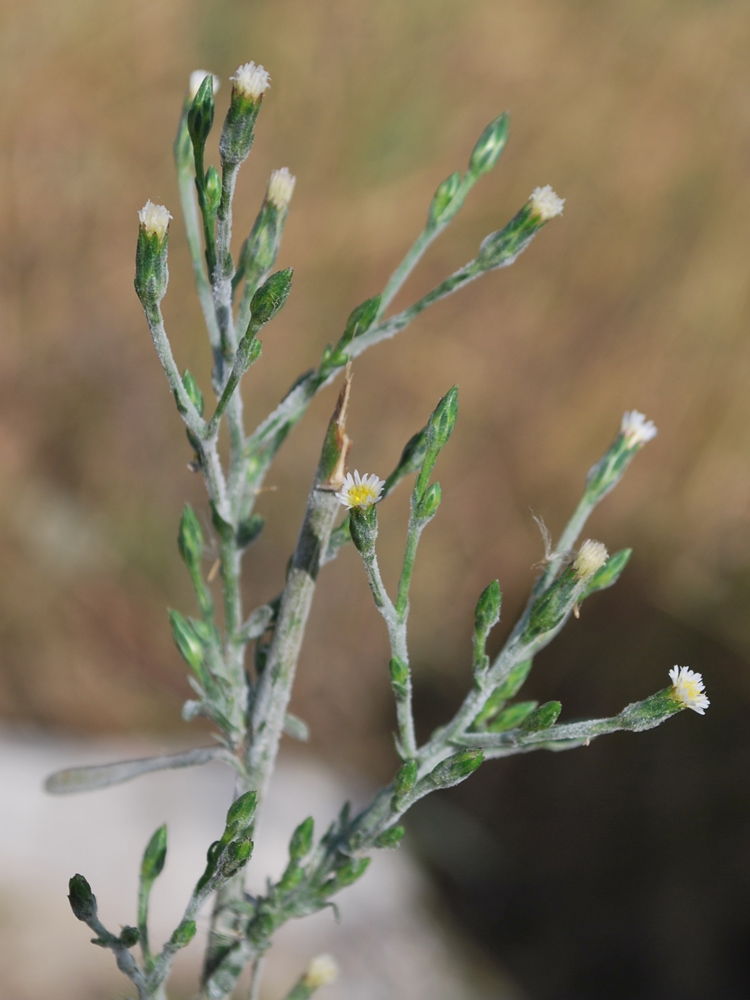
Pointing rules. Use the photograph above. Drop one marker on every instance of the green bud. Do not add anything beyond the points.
(81, 898)
(270, 297)
(391, 837)
(490, 145)
(406, 778)
(129, 936)
(200, 115)
(430, 502)
(554, 604)
(154, 856)
(544, 717)
(194, 393)
(487, 612)
(363, 526)
(292, 877)
(443, 420)
(400, 676)
(360, 320)
(190, 538)
(515, 679)
(609, 574)
(249, 529)
(512, 716)
(241, 813)
(184, 934)
(236, 856)
(456, 768)
(213, 190)
(302, 838)
(443, 208)
(187, 642)
(502, 247)
(350, 872)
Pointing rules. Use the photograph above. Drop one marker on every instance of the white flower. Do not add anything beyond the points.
(688, 688)
(154, 219)
(591, 557)
(545, 203)
(196, 79)
(636, 429)
(280, 187)
(322, 971)
(360, 491)
(251, 81)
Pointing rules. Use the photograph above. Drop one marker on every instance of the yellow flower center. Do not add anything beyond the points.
(361, 495)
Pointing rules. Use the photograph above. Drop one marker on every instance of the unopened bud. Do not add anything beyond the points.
(200, 116)
(302, 838)
(544, 717)
(196, 79)
(487, 613)
(270, 298)
(213, 190)
(190, 538)
(81, 898)
(154, 856)
(430, 502)
(187, 642)
(490, 145)
(184, 934)
(444, 205)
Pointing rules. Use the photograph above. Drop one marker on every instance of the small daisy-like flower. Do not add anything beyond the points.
(545, 204)
(591, 557)
(251, 81)
(360, 491)
(636, 429)
(154, 219)
(322, 971)
(688, 688)
(281, 187)
(196, 79)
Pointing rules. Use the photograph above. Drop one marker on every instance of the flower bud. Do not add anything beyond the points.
(391, 837)
(456, 768)
(544, 717)
(444, 204)
(200, 115)
(81, 898)
(270, 298)
(154, 856)
(187, 642)
(184, 934)
(490, 145)
(590, 559)
(249, 84)
(129, 936)
(280, 188)
(151, 272)
(443, 419)
(487, 612)
(302, 838)
(240, 814)
(406, 778)
(196, 79)
(429, 504)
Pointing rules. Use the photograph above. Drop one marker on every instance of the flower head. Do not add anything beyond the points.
(591, 557)
(280, 187)
(545, 204)
(251, 81)
(360, 491)
(196, 79)
(154, 219)
(322, 971)
(688, 689)
(636, 429)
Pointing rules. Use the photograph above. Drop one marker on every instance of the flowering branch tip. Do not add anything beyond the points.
(251, 81)
(545, 203)
(154, 219)
(688, 689)
(360, 491)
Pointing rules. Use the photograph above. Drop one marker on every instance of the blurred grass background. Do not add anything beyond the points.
(625, 864)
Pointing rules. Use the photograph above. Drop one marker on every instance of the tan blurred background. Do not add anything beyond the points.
(627, 864)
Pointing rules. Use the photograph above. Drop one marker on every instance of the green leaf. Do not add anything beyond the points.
(544, 717)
